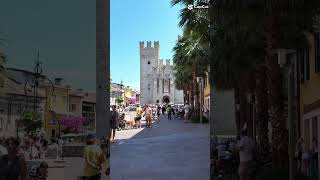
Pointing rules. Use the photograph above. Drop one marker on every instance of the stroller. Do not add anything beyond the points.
(122, 122)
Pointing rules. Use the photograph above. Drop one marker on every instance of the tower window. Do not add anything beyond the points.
(148, 62)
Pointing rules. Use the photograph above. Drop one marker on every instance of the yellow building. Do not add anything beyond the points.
(57, 106)
(129, 96)
(309, 62)
(206, 106)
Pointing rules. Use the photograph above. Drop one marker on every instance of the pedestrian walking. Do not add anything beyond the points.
(163, 110)
(137, 119)
(245, 148)
(158, 112)
(94, 158)
(114, 122)
(169, 111)
(186, 112)
(12, 165)
(53, 150)
(148, 115)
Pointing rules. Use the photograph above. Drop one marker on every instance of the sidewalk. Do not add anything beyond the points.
(170, 150)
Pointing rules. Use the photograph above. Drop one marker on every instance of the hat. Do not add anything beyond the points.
(91, 137)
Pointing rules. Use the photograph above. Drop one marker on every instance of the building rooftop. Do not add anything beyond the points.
(89, 97)
(13, 87)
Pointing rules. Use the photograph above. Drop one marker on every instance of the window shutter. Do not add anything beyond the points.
(307, 64)
(315, 53)
(301, 61)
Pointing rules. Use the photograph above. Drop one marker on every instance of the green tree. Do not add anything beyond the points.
(31, 122)
(119, 100)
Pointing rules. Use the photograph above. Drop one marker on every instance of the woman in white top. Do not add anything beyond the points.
(186, 112)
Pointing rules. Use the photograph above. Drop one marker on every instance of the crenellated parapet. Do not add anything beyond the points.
(156, 45)
(164, 63)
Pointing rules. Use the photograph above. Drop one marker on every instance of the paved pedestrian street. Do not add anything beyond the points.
(171, 150)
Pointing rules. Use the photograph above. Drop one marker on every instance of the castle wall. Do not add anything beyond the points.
(149, 56)
(155, 76)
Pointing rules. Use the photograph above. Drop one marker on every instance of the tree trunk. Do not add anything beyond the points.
(278, 121)
(276, 99)
(191, 95)
(262, 117)
(237, 112)
(250, 82)
(243, 107)
(196, 90)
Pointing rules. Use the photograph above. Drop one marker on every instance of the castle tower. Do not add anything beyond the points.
(149, 57)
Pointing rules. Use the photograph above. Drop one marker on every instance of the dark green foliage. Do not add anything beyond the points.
(196, 119)
(119, 100)
(31, 122)
(278, 174)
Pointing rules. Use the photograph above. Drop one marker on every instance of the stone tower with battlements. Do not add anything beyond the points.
(156, 77)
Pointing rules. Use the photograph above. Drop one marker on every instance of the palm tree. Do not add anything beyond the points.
(193, 47)
(190, 61)
(280, 24)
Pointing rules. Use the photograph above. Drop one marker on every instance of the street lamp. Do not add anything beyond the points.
(200, 82)
(37, 73)
(287, 58)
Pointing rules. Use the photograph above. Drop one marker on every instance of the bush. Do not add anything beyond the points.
(196, 119)
(31, 122)
(278, 174)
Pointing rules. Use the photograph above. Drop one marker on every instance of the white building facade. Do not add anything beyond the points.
(157, 77)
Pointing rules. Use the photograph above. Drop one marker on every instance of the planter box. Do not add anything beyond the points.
(72, 150)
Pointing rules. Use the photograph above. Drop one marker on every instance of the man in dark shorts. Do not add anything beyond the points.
(163, 110)
(114, 121)
(158, 112)
(169, 111)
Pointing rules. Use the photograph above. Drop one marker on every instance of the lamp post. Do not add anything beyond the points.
(287, 58)
(37, 73)
(200, 82)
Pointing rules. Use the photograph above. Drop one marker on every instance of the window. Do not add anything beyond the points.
(158, 83)
(73, 107)
(317, 52)
(303, 58)
(53, 121)
(314, 127)
(64, 99)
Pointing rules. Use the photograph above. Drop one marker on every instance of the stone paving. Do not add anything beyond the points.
(171, 150)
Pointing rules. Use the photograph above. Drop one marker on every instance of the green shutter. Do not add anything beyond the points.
(302, 69)
(307, 64)
(316, 39)
(317, 53)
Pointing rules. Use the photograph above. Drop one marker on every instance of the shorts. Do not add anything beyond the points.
(148, 118)
(245, 168)
(137, 118)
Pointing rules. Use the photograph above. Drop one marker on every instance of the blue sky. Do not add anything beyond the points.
(62, 30)
(134, 21)
(64, 33)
